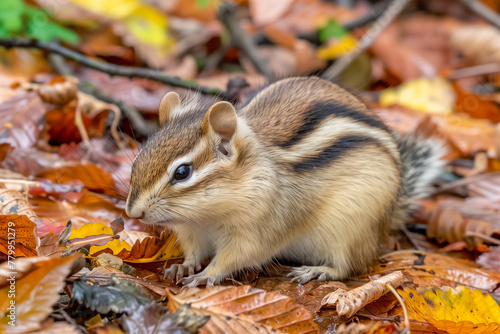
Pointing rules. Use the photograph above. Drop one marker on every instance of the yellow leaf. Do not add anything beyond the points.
(433, 96)
(115, 9)
(86, 230)
(148, 25)
(459, 310)
(338, 47)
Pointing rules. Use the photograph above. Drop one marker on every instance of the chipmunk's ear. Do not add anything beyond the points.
(167, 106)
(221, 118)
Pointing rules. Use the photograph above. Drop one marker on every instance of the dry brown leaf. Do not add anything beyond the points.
(490, 260)
(480, 44)
(20, 119)
(448, 225)
(428, 269)
(15, 202)
(62, 129)
(264, 11)
(145, 248)
(102, 275)
(35, 294)
(18, 236)
(475, 105)
(92, 176)
(245, 310)
(369, 328)
(349, 302)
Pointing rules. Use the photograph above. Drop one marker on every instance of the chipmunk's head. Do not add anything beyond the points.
(186, 167)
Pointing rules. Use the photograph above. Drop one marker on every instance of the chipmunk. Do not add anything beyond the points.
(303, 172)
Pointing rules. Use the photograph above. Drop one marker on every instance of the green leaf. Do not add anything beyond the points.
(41, 28)
(11, 16)
(201, 4)
(331, 30)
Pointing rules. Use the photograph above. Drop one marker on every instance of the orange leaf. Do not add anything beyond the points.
(248, 309)
(17, 236)
(34, 294)
(475, 106)
(62, 129)
(91, 175)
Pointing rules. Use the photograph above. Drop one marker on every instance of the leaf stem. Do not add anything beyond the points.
(402, 302)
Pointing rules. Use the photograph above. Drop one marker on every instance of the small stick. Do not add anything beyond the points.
(483, 11)
(474, 70)
(227, 15)
(402, 302)
(482, 236)
(464, 181)
(124, 71)
(367, 40)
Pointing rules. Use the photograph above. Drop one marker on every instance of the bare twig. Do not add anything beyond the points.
(464, 181)
(483, 11)
(474, 70)
(490, 239)
(341, 64)
(227, 15)
(125, 71)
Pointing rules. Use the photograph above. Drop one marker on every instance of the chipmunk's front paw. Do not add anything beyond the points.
(304, 274)
(177, 271)
(198, 279)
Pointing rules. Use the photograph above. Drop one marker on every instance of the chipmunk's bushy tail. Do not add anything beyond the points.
(420, 166)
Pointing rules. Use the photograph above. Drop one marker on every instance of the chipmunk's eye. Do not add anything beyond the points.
(183, 173)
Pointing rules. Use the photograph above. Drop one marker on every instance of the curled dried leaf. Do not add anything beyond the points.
(448, 225)
(349, 302)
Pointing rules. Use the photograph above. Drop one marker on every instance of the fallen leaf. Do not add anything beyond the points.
(248, 309)
(35, 294)
(61, 127)
(475, 105)
(432, 96)
(120, 296)
(91, 175)
(18, 236)
(455, 310)
(21, 128)
(490, 260)
(349, 302)
(370, 328)
(428, 269)
(447, 225)
(154, 318)
(141, 247)
(264, 12)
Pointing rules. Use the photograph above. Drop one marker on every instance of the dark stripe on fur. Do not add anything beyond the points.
(334, 152)
(322, 109)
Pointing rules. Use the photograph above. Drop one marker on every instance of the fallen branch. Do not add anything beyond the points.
(482, 10)
(367, 40)
(124, 71)
(239, 38)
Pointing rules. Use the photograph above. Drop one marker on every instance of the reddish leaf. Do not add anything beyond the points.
(17, 236)
(20, 119)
